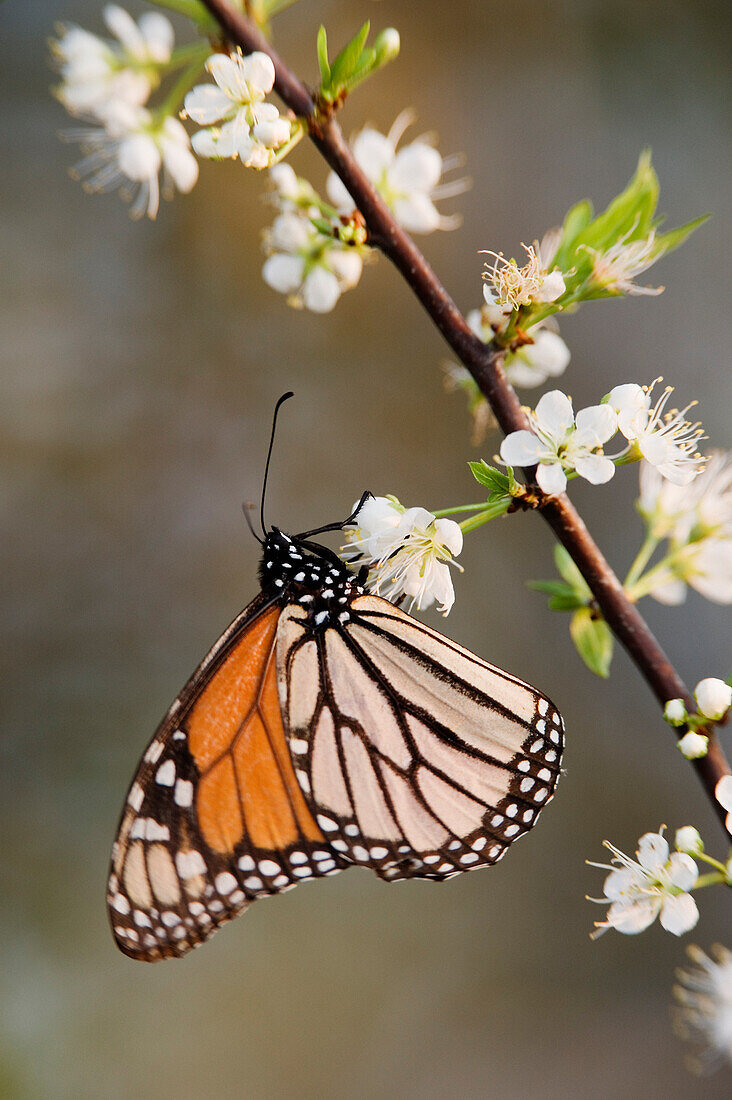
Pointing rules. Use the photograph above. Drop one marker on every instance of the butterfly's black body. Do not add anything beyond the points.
(295, 570)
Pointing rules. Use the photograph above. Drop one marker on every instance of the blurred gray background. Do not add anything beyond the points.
(141, 364)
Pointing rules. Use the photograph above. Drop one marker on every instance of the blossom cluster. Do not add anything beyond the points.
(696, 522)
(236, 121)
(561, 443)
(311, 267)
(407, 552)
(107, 84)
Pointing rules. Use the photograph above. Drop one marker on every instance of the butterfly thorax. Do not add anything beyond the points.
(307, 575)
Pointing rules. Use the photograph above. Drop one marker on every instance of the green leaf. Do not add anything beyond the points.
(567, 569)
(667, 242)
(551, 588)
(322, 45)
(323, 226)
(593, 641)
(347, 61)
(577, 219)
(493, 479)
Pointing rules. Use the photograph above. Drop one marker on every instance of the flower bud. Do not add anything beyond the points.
(713, 697)
(693, 745)
(675, 712)
(387, 45)
(688, 840)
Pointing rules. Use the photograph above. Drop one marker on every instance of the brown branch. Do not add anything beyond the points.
(485, 364)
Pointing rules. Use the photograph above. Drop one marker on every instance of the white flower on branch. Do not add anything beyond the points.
(508, 286)
(560, 443)
(697, 520)
(407, 551)
(96, 73)
(311, 269)
(615, 269)
(665, 439)
(245, 126)
(713, 698)
(408, 179)
(704, 1013)
(547, 356)
(654, 885)
(129, 153)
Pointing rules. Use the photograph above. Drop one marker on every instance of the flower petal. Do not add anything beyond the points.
(723, 792)
(416, 167)
(450, 535)
(416, 213)
(374, 152)
(159, 36)
(283, 273)
(548, 354)
(338, 194)
(555, 415)
(682, 871)
(320, 290)
(551, 478)
(180, 162)
(679, 914)
(597, 469)
(652, 851)
(522, 449)
(206, 104)
(347, 266)
(599, 420)
(671, 593)
(634, 918)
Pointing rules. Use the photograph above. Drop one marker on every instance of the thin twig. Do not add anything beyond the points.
(485, 364)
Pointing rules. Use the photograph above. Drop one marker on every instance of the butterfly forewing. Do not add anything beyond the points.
(215, 816)
(420, 759)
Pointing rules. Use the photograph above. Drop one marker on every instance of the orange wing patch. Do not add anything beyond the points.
(236, 737)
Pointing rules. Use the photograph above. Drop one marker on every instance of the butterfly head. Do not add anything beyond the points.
(307, 574)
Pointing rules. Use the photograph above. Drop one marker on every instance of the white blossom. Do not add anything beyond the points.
(616, 268)
(693, 745)
(407, 552)
(688, 839)
(654, 885)
(236, 120)
(96, 72)
(704, 1012)
(664, 439)
(129, 153)
(408, 179)
(311, 269)
(697, 520)
(723, 795)
(560, 442)
(713, 698)
(507, 286)
(530, 365)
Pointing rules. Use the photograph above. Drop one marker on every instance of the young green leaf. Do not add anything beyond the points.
(322, 45)
(567, 569)
(493, 479)
(593, 641)
(347, 61)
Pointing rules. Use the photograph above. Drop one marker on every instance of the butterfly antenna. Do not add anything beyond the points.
(285, 397)
(337, 526)
(246, 509)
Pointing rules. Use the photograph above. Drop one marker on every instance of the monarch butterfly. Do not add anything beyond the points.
(325, 729)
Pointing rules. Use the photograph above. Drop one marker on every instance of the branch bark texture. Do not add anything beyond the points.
(485, 363)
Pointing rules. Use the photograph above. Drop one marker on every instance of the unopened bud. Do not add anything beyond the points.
(688, 840)
(713, 698)
(693, 745)
(675, 712)
(387, 45)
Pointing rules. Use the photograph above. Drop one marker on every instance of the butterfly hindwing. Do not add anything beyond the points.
(215, 816)
(420, 759)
